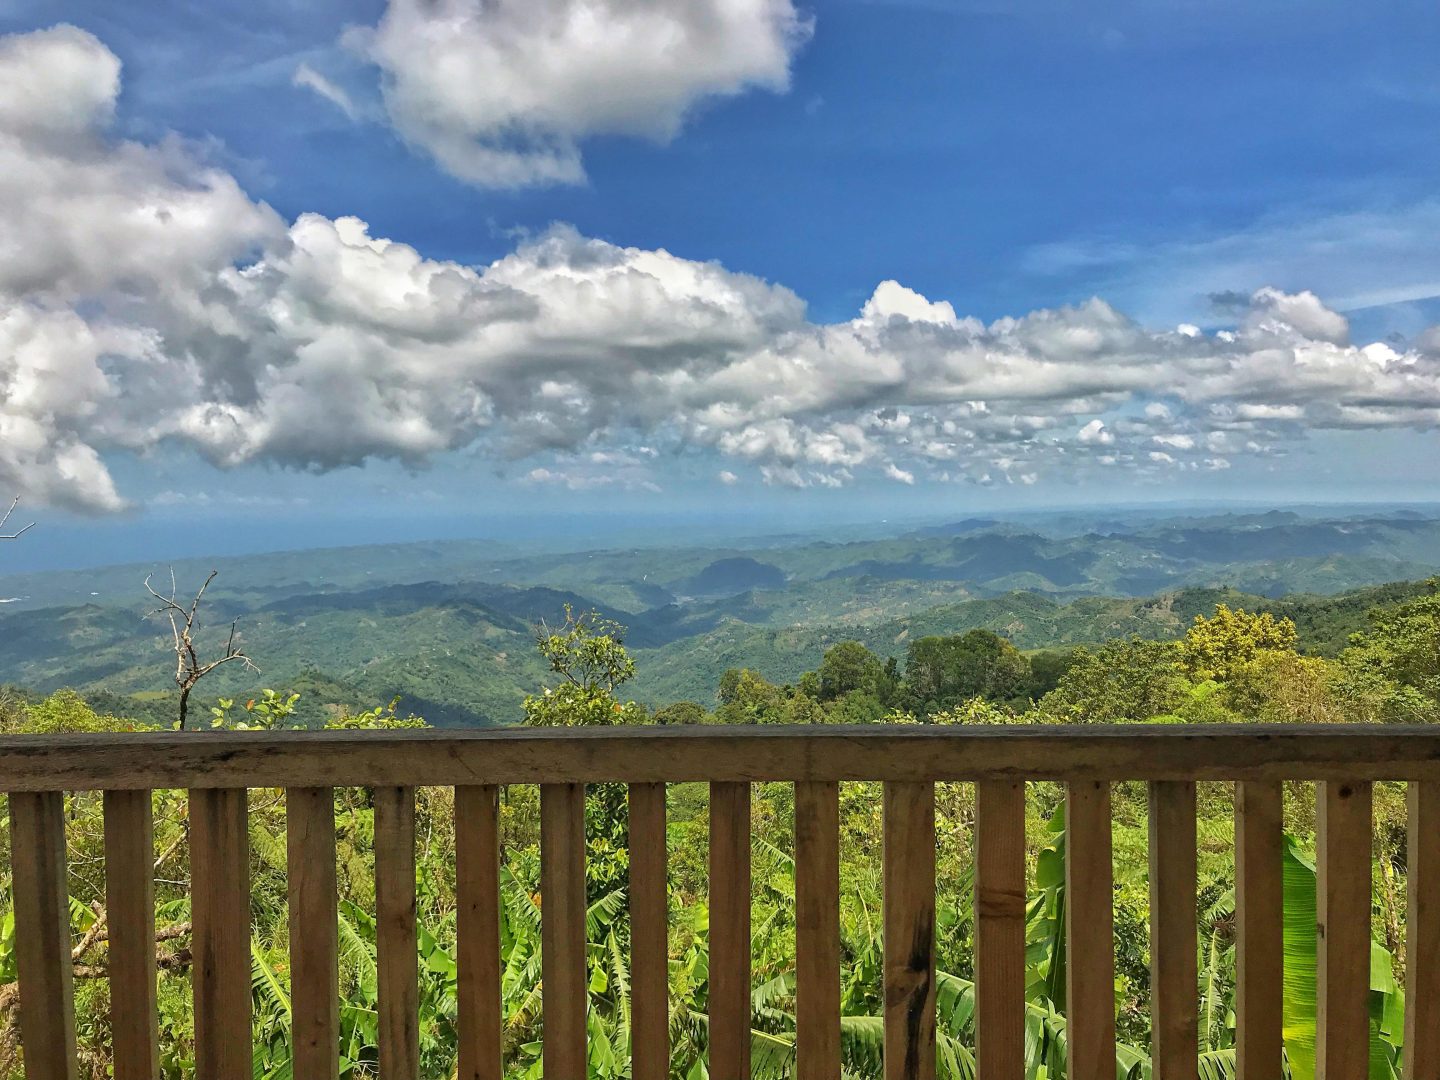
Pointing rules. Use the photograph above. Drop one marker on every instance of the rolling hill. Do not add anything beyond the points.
(448, 626)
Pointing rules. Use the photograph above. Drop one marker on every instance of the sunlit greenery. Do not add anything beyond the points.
(1231, 665)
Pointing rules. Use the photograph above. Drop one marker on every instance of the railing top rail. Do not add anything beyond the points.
(650, 754)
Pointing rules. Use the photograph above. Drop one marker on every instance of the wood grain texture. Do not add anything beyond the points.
(1174, 990)
(565, 983)
(1422, 935)
(314, 941)
(477, 917)
(42, 935)
(1260, 930)
(1000, 929)
(1089, 932)
(729, 930)
(397, 955)
(909, 902)
(649, 935)
(130, 916)
(220, 932)
(1342, 966)
(918, 754)
(817, 930)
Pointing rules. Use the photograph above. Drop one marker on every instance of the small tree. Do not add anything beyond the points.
(1120, 682)
(847, 667)
(588, 653)
(1395, 667)
(1217, 647)
(5, 520)
(189, 668)
(944, 672)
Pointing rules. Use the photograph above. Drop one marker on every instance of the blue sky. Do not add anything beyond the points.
(1264, 172)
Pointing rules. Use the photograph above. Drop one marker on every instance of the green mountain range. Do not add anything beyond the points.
(449, 627)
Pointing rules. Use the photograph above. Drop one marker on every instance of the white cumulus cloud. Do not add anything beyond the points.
(147, 300)
(503, 92)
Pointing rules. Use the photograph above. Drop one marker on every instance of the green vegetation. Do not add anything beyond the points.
(447, 626)
(1229, 664)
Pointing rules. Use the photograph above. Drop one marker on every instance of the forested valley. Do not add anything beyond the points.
(1373, 657)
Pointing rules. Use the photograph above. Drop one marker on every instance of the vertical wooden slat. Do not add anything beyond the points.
(1422, 934)
(729, 930)
(1089, 932)
(130, 915)
(314, 961)
(817, 930)
(1174, 992)
(397, 963)
(1342, 980)
(909, 901)
(649, 935)
(565, 986)
(1260, 930)
(1000, 929)
(220, 932)
(42, 935)
(477, 916)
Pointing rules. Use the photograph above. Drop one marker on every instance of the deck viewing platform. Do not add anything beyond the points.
(218, 769)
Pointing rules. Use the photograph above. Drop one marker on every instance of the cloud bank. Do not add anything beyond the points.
(146, 301)
(502, 92)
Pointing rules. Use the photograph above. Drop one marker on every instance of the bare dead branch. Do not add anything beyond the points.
(5, 518)
(189, 668)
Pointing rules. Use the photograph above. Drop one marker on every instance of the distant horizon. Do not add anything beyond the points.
(68, 547)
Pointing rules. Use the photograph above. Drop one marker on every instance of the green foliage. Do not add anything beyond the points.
(1230, 665)
(1396, 665)
(588, 653)
(941, 672)
(975, 711)
(269, 711)
(1119, 682)
(569, 705)
(1216, 647)
(1283, 687)
(64, 711)
(680, 712)
(748, 698)
(850, 667)
(380, 718)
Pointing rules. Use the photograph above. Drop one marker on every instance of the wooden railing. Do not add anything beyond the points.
(218, 768)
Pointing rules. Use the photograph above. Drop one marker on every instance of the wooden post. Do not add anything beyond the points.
(649, 935)
(314, 958)
(130, 911)
(729, 930)
(1259, 917)
(1342, 968)
(565, 982)
(220, 932)
(909, 901)
(1089, 932)
(477, 931)
(1000, 929)
(397, 960)
(817, 930)
(1422, 934)
(1174, 990)
(42, 935)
